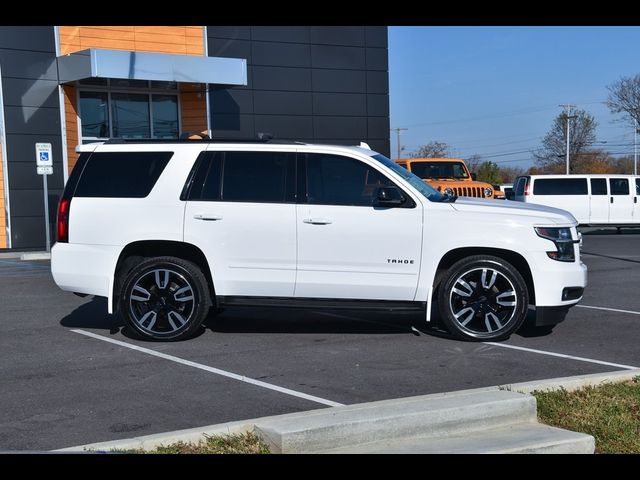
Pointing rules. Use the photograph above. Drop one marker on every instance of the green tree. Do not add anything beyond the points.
(489, 172)
(552, 157)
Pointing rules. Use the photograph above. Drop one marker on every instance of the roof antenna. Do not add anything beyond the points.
(265, 137)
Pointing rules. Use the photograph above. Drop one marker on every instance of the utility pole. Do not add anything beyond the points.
(635, 148)
(398, 130)
(569, 117)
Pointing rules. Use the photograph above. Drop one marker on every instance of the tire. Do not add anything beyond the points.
(482, 298)
(164, 298)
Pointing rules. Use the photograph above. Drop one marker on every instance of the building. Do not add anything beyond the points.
(67, 85)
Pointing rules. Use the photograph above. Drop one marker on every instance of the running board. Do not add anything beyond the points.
(321, 303)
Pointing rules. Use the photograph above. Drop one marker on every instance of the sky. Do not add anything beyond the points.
(494, 91)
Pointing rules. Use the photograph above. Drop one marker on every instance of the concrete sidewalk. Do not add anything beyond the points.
(25, 255)
(498, 419)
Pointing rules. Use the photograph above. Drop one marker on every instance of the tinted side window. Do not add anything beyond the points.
(560, 186)
(121, 174)
(258, 177)
(519, 188)
(598, 186)
(337, 180)
(619, 186)
(206, 181)
(637, 186)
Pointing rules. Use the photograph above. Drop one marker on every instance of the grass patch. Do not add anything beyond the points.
(611, 413)
(243, 443)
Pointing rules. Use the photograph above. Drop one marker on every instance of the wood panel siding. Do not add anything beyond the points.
(71, 120)
(193, 107)
(3, 215)
(184, 40)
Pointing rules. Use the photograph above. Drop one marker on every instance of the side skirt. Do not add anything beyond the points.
(321, 303)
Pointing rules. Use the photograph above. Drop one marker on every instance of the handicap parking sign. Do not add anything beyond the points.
(43, 155)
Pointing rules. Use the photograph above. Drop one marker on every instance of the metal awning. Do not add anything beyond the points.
(101, 63)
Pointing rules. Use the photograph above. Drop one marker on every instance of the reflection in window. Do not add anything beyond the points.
(94, 114)
(130, 115)
(165, 116)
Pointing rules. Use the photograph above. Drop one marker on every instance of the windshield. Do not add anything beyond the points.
(425, 189)
(439, 170)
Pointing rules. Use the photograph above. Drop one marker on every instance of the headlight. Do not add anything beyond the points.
(488, 192)
(448, 191)
(561, 237)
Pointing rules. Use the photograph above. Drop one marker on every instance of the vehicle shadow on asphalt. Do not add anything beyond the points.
(93, 315)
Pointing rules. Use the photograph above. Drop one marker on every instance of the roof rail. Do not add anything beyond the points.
(185, 138)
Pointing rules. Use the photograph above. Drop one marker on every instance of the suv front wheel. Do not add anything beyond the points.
(164, 298)
(482, 298)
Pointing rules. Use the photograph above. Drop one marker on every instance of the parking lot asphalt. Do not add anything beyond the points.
(70, 374)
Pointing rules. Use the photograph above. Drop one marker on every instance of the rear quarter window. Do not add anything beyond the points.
(560, 186)
(121, 174)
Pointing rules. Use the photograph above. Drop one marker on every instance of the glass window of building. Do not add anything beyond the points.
(128, 109)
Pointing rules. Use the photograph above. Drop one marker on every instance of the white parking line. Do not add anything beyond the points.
(206, 368)
(562, 355)
(610, 309)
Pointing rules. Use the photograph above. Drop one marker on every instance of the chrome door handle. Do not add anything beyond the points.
(210, 218)
(317, 221)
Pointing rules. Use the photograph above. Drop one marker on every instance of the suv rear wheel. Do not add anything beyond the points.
(164, 298)
(482, 298)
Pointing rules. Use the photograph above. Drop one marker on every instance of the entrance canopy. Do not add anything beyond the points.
(101, 63)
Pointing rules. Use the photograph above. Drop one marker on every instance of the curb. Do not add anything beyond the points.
(149, 442)
(36, 256)
(25, 255)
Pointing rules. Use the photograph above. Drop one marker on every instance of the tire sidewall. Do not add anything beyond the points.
(190, 272)
(462, 266)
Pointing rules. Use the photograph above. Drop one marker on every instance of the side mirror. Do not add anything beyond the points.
(474, 176)
(389, 197)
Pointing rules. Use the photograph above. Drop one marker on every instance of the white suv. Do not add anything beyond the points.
(167, 230)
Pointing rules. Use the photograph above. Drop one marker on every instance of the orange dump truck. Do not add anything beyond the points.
(449, 175)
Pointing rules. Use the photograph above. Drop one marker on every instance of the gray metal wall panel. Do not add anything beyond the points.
(24, 64)
(340, 81)
(232, 100)
(30, 38)
(350, 104)
(281, 78)
(285, 126)
(31, 93)
(280, 54)
(377, 82)
(329, 56)
(282, 103)
(32, 120)
(241, 33)
(293, 34)
(376, 36)
(229, 48)
(226, 125)
(21, 148)
(32, 114)
(377, 59)
(24, 174)
(340, 127)
(338, 35)
(378, 105)
(305, 83)
(377, 127)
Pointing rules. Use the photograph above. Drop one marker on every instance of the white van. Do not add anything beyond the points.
(605, 199)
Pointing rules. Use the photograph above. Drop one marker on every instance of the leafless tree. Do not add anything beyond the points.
(432, 149)
(624, 97)
(554, 145)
